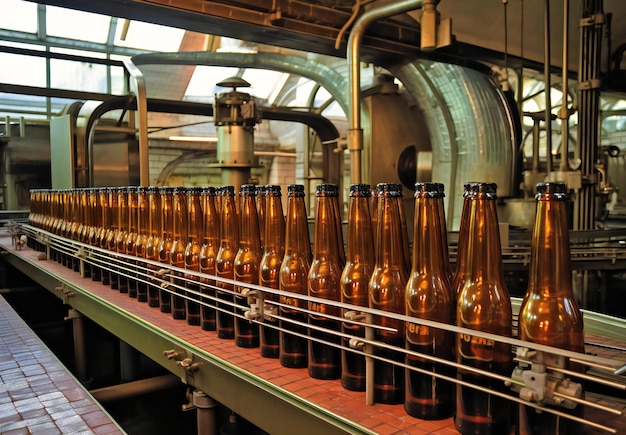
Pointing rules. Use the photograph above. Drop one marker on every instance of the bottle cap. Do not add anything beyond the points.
(247, 190)
(273, 189)
(295, 189)
(360, 190)
(429, 190)
(326, 189)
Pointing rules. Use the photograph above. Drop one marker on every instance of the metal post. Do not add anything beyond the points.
(206, 413)
(80, 361)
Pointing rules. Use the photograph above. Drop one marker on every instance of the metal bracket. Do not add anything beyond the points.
(593, 20)
(589, 85)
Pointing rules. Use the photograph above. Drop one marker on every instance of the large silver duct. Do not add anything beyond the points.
(334, 82)
(471, 127)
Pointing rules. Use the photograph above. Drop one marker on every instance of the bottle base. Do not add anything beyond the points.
(293, 361)
(269, 351)
(247, 342)
(353, 383)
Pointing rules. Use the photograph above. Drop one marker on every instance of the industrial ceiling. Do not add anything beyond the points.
(483, 29)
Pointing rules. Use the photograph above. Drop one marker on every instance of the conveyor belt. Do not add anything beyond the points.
(277, 399)
(38, 394)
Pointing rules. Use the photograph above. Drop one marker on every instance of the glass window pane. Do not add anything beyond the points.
(78, 76)
(25, 70)
(202, 84)
(84, 26)
(118, 80)
(18, 15)
(265, 83)
(83, 53)
(151, 37)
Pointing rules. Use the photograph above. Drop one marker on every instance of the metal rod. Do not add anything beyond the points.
(564, 115)
(355, 132)
(547, 85)
(135, 388)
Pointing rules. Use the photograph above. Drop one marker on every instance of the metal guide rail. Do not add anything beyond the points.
(539, 377)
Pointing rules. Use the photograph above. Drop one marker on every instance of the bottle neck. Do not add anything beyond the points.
(297, 228)
(360, 237)
(154, 201)
(390, 247)
(143, 210)
(483, 255)
(167, 217)
(325, 236)
(195, 219)
(122, 212)
(550, 271)
(229, 227)
(180, 218)
(430, 250)
(133, 212)
(274, 239)
(210, 222)
(250, 236)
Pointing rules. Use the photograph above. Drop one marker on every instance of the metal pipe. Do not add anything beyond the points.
(547, 85)
(355, 132)
(80, 361)
(206, 413)
(564, 115)
(135, 388)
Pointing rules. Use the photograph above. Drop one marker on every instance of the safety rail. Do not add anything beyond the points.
(532, 359)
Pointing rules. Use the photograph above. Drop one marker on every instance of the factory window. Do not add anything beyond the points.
(71, 24)
(18, 15)
(26, 70)
(146, 36)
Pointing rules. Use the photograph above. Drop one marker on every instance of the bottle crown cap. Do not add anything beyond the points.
(326, 189)
(247, 190)
(429, 189)
(273, 189)
(557, 190)
(360, 190)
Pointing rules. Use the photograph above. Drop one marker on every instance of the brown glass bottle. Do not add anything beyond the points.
(323, 283)
(293, 278)
(103, 199)
(458, 278)
(96, 225)
(341, 252)
(225, 262)
(273, 253)
(177, 251)
(141, 242)
(75, 227)
(123, 213)
(549, 313)
(112, 235)
(167, 239)
(247, 262)
(261, 200)
(155, 230)
(386, 292)
(429, 296)
(210, 247)
(355, 279)
(131, 238)
(484, 305)
(85, 226)
(192, 254)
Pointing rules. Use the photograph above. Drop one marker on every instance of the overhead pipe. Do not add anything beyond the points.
(355, 132)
